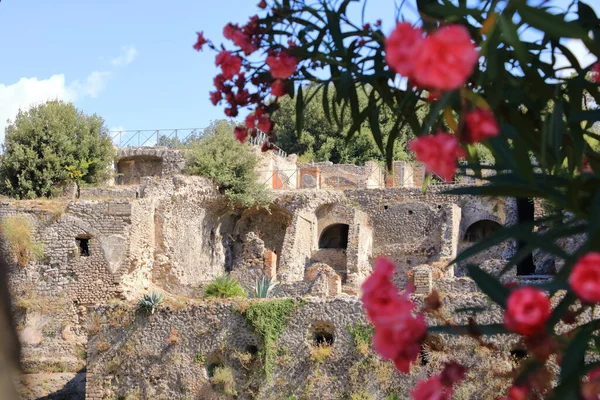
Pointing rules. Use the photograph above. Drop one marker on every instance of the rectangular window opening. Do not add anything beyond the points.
(84, 246)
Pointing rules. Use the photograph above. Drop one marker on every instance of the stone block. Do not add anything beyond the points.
(270, 263)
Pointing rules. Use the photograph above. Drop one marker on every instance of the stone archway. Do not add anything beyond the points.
(334, 236)
(480, 230)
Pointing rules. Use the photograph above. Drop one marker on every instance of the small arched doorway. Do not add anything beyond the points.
(480, 230)
(334, 237)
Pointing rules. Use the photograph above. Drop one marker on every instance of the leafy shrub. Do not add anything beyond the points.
(232, 165)
(264, 288)
(51, 144)
(150, 302)
(17, 232)
(224, 287)
(224, 381)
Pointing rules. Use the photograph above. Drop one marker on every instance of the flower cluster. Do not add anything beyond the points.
(398, 333)
(441, 61)
(231, 85)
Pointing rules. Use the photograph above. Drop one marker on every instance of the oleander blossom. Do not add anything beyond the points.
(444, 60)
(590, 390)
(230, 64)
(282, 65)
(439, 387)
(527, 310)
(439, 152)
(398, 333)
(240, 133)
(278, 88)
(480, 125)
(200, 42)
(401, 48)
(595, 72)
(585, 278)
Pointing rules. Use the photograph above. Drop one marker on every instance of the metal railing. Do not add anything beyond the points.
(156, 137)
(261, 138)
(173, 138)
(287, 179)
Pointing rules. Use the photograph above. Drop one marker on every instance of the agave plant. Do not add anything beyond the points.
(150, 302)
(264, 287)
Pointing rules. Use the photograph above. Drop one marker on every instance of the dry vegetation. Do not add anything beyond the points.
(17, 232)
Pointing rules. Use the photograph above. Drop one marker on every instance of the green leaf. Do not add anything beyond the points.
(590, 116)
(374, 123)
(491, 329)
(489, 285)
(509, 30)
(587, 17)
(553, 25)
(299, 111)
(573, 360)
(557, 128)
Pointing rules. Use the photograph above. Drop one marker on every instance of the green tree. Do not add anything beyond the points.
(231, 164)
(44, 145)
(323, 138)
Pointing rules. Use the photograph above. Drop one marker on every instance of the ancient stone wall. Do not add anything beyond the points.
(134, 163)
(210, 350)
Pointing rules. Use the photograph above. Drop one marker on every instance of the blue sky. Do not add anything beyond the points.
(130, 61)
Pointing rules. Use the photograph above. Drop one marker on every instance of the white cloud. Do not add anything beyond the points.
(92, 85)
(581, 53)
(128, 54)
(27, 92)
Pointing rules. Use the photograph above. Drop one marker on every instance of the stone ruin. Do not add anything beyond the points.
(155, 229)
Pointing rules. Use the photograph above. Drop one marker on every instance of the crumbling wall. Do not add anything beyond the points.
(135, 163)
(323, 352)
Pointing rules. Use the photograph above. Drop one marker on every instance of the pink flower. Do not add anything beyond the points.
(438, 152)
(439, 387)
(250, 121)
(282, 65)
(590, 390)
(595, 75)
(446, 59)
(229, 63)
(431, 389)
(219, 82)
(278, 88)
(398, 334)
(527, 310)
(480, 125)
(200, 41)
(265, 124)
(242, 40)
(240, 133)
(215, 97)
(229, 30)
(401, 48)
(585, 278)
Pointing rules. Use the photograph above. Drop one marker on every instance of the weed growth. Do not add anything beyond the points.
(269, 319)
(17, 232)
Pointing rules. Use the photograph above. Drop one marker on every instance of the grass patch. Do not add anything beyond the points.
(224, 287)
(223, 381)
(362, 335)
(17, 231)
(269, 319)
(321, 352)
